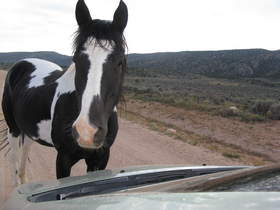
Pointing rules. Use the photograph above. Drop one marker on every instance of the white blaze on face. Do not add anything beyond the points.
(97, 56)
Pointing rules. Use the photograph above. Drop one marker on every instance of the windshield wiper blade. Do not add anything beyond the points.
(123, 182)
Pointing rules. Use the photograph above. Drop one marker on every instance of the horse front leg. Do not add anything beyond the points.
(99, 160)
(64, 163)
(19, 146)
(25, 147)
(14, 158)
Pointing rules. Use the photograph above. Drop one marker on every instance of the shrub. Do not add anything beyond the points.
(249, 117)
(261, 107)
(274, 112)
(217, 101)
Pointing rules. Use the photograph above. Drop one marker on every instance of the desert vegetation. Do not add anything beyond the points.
(247, 99)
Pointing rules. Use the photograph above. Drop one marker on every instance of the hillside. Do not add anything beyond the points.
(223, 64)
(210, 81)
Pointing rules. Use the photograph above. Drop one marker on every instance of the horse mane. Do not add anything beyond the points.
(98, 30)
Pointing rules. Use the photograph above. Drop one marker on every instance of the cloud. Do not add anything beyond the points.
(157, 25)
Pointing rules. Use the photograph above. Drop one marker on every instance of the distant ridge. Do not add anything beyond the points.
(223, 64)
(12, 57)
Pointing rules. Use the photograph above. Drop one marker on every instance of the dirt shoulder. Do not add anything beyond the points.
(256, 139)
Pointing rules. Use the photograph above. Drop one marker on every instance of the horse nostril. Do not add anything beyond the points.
(88, 136)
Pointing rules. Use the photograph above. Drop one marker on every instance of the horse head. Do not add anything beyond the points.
(99, 57)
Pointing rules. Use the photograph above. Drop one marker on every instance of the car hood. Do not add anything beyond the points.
(38, 187)
(154, 196)
(193, 201)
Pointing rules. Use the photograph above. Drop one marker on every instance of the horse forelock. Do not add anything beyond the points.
(98, 30)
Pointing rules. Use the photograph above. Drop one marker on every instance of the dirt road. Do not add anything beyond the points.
(135, 145)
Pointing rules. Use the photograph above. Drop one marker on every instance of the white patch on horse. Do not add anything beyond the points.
(43, 69)
(66, 84)
(44, 130)
(97, 56)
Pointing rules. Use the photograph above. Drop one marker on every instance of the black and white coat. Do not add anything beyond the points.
(72, 110)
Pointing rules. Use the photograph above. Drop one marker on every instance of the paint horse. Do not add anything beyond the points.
(72, 110)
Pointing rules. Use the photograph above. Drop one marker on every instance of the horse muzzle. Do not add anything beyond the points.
(88, 136)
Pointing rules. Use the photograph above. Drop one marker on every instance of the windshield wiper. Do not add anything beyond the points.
(124, 182)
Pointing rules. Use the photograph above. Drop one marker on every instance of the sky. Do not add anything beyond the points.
(153, 25)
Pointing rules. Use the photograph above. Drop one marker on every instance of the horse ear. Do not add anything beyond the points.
(120, 17)
(82, 13)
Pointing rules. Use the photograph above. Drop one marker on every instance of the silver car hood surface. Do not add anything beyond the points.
(38, 187)
(167, 201)
(148, 200)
